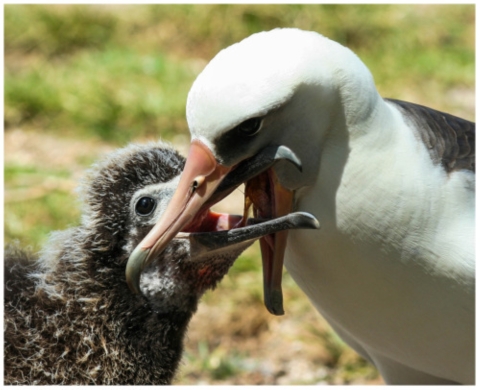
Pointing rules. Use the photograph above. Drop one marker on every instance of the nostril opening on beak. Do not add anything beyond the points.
(197, 182)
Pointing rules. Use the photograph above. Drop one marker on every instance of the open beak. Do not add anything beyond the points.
(205, 182)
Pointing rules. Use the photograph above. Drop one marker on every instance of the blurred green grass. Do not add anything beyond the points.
(35, 204)
(116, 73)
(110, 74)
(119, 72)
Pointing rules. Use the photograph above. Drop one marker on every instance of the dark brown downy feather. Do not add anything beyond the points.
(69, 316)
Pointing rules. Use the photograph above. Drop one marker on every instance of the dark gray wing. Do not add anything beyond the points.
(450, 140)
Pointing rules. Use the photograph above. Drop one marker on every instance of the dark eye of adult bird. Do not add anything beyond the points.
(145, 206)
(392, 182)
(250, 127)
(69, 315)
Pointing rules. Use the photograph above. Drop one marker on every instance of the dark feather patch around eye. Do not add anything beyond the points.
(250, 127)
(145, 206)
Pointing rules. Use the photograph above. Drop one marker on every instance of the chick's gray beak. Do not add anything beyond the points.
(206, 243)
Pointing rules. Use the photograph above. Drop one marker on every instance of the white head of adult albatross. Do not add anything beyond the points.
(392, 183)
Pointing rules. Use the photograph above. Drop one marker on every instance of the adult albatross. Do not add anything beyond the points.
(392, 269)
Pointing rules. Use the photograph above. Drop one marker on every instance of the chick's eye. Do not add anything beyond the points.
(145, 206)
(250, 126)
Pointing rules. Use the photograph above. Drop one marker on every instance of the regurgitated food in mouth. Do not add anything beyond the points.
(258, 202)
(211, 221)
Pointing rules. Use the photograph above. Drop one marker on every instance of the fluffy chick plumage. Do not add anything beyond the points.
(69, 315)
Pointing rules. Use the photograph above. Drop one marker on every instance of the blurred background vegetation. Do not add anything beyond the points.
(81, 80)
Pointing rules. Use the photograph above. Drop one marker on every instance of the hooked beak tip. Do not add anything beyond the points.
(274, 302)
(135, 265)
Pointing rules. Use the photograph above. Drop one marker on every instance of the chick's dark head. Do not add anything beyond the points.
(123, 196)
